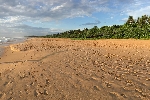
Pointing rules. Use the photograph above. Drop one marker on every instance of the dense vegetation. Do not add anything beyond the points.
(138, 29)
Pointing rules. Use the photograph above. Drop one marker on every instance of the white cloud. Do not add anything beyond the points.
(14, 12)
(58, 7)
(138, 3)
(139, 12)
(111, 17)
(124, 19)
(11, 19)
(137, 8)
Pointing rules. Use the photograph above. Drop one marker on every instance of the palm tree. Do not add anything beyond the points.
(149, 20)
(144, 19)
(130, 20)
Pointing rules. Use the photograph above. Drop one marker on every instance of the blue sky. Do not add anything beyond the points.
(42, 17)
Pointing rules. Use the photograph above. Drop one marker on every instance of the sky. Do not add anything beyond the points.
(42, 17)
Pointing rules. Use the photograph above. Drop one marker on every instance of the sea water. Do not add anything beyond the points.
(10, 40)
(5, 41)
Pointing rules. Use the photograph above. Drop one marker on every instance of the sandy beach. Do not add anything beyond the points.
(64, 69)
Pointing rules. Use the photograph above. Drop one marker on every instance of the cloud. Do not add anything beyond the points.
(139, 12)
(12, 19)
(57, 7)
(52, 10)
(124, 19)
(93, 24)
(13, 13)
(137, 8)
(25, 30)
(45, 10)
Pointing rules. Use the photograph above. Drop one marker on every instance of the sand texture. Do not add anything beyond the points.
(64, 69)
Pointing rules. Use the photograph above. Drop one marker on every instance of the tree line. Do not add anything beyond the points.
(138, 29)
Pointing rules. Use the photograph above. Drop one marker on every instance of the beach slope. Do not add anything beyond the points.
(64, 69)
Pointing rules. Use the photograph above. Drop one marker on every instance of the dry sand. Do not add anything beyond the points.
(64, 69)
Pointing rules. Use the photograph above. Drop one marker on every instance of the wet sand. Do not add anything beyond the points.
(64, 69)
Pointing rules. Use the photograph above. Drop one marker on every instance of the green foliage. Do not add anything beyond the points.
(138, 29)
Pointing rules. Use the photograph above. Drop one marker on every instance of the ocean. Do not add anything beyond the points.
(5, 41)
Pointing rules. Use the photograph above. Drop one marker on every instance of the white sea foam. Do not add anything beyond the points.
(10, 40)
(5, 41)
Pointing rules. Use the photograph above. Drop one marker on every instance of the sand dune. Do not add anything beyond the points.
(64, 69)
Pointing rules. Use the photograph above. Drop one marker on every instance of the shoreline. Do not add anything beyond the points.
(45, 68)
(4, 46)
